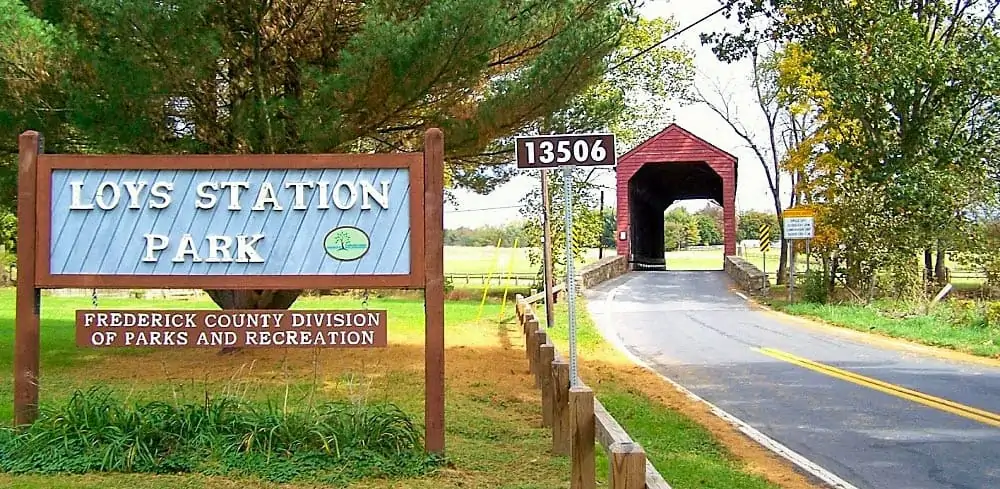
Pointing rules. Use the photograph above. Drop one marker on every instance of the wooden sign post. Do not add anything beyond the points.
(318, 221)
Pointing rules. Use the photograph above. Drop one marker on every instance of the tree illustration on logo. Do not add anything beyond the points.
(342, 238)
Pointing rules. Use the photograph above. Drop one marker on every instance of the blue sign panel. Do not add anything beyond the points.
(230, 222)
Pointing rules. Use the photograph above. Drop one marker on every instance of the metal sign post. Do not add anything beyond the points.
(567, 151)
(798, 223)
(570, 272)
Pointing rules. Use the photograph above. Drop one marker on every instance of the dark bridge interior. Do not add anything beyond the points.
(654, 188)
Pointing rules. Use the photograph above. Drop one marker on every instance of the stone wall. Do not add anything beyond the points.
(601, 271)
(747, 276)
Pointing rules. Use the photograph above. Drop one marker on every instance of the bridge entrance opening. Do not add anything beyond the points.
(652, 190)
(672, 166)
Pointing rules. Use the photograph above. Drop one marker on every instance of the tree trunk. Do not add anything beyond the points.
(252, 299)
(783, 264)
(940, 271)
(928, 265)
(783, 259)
(828, 270)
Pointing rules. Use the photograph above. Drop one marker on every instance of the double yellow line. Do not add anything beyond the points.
(945, 405)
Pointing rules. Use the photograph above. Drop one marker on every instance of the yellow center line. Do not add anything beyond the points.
(992, 419)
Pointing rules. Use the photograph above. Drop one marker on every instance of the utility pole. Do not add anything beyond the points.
(547, 252)
(600, 241)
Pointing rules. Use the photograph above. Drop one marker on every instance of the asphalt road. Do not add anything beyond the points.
(691, 328)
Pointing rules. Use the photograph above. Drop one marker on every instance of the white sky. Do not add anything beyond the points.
(476, 210)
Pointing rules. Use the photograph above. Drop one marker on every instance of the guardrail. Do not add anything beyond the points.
(578, 420)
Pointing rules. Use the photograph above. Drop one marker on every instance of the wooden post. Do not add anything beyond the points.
(560, 408)
(628, 466)
(26, 344)
(581, 421)
(547, 356)
(540, 339)
(529, 338)
(434, 291)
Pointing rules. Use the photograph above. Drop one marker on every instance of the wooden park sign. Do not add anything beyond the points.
(317, 221)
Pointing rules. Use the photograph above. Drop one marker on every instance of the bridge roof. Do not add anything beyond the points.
(672, 145)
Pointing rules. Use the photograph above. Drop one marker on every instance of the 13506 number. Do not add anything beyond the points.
(585, 150)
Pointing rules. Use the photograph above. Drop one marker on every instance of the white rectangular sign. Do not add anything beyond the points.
(798, 227)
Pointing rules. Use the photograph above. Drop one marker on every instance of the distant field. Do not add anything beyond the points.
(695, 260)
(461, 260)
(490, 260)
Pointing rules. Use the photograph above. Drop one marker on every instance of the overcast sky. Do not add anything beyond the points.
(501, 205)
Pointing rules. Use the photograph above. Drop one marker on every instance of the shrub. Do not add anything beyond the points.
(94, 431)
(814, 287)
(965, 313)
(992, 314)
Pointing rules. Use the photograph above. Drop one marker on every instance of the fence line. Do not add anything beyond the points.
(578, 420)
(482, 278)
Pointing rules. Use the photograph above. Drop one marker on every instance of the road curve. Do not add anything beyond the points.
(871, 414)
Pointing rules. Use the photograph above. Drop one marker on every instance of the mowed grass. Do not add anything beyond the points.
(695, 259)
(487, 259)
(937, 328)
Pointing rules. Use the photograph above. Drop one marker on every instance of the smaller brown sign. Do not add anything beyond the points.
(234, 328)
(557, 150)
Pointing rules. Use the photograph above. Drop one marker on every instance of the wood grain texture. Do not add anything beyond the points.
(560, 408)
(547, 354)
(581, 420)
(26, 333)
(540, 339)
(628, 466)
(609, 431)
(433, 265)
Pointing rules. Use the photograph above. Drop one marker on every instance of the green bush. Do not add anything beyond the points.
(333, 442)
(992, 314)
(814, 287)
(965, 313)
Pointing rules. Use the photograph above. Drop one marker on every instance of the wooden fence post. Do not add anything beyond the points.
(560, 408)
(628, 466)
(548, 352)
(529, 338)
(540, 339)
(582, 425)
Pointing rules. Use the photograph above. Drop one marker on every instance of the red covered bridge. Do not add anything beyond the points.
(671, 166)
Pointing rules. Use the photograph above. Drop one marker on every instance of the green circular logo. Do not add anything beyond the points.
(346, 243)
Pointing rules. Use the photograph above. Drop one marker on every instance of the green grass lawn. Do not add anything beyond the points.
(695, 260)
(943, 326)
(475, 259)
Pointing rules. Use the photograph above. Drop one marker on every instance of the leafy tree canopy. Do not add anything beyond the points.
(298, 76)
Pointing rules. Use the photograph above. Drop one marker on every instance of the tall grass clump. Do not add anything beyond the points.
(335, 442)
